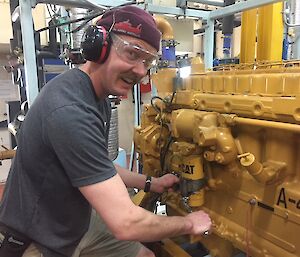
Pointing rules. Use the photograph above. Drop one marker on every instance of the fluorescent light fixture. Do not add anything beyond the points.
(184, 72)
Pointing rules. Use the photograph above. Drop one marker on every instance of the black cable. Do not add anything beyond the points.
(172, 98)
(164, 154)
(49, 12)
(83, 24)
(156, 108)
(78, 28)
(88, 17)
(53, 8)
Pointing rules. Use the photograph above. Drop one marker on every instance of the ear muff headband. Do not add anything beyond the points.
(96, 42)
(105, 48)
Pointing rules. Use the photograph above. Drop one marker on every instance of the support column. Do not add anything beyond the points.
(209, 44)
(270, 33)
(248, 36)
(29, 50)
(296, 20)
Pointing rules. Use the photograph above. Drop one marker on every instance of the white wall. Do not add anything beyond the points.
(5, 21)
(5, 25)
(183, 33)
(235, 43)
(126, 123)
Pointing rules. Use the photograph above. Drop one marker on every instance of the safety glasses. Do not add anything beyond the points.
(133, 54)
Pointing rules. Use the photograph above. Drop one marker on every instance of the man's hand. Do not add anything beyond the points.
(164, 183)
(201, 222)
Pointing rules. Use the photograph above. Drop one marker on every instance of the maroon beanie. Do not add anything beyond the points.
(133, 21)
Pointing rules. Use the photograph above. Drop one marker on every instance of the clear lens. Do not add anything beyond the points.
(133, 54)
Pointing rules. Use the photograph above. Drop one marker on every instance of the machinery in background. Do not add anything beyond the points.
(233, 138)
(55, 58)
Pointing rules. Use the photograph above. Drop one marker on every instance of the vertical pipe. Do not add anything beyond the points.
(227, 30)
(29, 50)
(296, 20)
(248, 36)
(137, 118)
(167, 43)
(52, 37)
(270, 33)
(209, 44)
(227, 45)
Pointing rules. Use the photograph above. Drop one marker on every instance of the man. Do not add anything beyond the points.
(62, 170)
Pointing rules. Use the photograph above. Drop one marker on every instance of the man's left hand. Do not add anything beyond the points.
(164, 183)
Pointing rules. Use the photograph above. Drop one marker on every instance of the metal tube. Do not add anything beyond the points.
(164, 27)
(7, 154)
(70, 3)
(292, 11)
(29, 50)
(209, 45)
(268, 124)
(168, 46)
(91, 4)
(209, 2)
(296, 45)
(175, 10)
(239, 7)
(137, 122)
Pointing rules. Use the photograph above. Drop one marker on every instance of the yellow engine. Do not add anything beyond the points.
(233, 138)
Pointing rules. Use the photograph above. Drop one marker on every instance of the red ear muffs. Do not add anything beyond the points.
(95, 44)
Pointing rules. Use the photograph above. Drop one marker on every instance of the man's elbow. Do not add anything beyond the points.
(126, 232)
(128, 226)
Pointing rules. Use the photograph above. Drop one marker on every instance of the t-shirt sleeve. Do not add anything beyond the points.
(77, 136)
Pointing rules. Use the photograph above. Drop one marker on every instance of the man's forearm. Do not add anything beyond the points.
(158, 227)
(158, 185)
(130, 222)
(131, 179)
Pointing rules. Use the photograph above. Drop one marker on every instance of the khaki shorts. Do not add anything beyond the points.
(97, 242)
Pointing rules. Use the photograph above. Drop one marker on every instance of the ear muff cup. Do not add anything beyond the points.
(95, 44)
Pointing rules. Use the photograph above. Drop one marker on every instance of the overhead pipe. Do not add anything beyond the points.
(167, 43)
(164, 27)
(209, 2)
(164, 78)
(218, 27)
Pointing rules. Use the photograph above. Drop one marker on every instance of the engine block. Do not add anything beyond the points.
(233, 138)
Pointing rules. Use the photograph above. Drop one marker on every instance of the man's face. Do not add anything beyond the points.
(128, 62)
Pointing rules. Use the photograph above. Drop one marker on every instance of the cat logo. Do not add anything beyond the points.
(188, 169)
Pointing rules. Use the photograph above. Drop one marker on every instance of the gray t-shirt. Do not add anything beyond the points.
(62, 145)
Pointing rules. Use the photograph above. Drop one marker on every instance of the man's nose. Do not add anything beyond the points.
(140, 69)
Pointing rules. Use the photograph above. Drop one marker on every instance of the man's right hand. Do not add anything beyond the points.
(132, 223)
(201, 222)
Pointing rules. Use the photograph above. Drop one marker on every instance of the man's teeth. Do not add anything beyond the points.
(129, 81)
